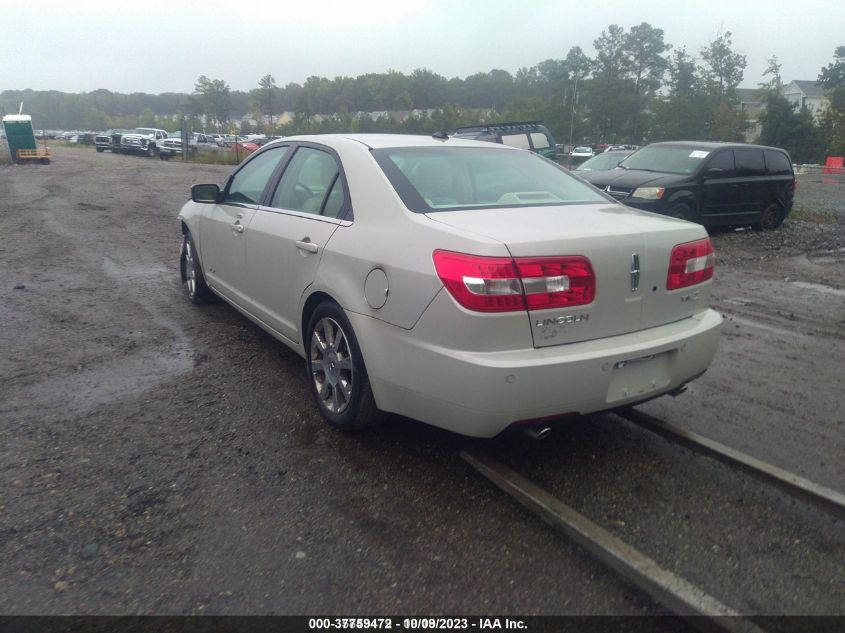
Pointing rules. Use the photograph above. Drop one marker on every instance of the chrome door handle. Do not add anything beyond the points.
(238, 228)
(307, 245)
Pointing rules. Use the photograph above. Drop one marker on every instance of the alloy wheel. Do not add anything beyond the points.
(190, 269)
(331, 365)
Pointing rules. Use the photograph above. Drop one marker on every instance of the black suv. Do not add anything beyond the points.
(531, 135)
(711, 183)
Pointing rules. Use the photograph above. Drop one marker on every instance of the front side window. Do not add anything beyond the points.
(248, 184)
(311, 184)
(445, 179)
(721, 165)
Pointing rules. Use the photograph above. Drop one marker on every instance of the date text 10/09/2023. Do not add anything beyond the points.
(415, 624)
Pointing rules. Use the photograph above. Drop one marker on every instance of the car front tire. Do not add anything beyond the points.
(193, 280)
(683, 212)
(336, 372)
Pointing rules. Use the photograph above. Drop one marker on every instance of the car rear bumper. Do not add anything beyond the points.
(482, 393)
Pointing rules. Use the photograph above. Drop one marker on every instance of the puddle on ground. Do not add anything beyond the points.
(762, 326)
(110, 381)
(827, 290)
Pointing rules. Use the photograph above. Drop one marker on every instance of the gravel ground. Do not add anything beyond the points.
(821, 193)
(156, 457)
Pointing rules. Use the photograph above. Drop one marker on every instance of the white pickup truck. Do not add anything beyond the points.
(143, 140)
(196, 142)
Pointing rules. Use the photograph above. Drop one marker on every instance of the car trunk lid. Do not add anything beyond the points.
(629, 253)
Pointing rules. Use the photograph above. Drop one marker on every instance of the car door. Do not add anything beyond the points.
(751, 168)
(223, 225)
(720, 194)
(287, 236)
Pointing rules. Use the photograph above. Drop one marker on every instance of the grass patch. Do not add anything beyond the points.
(214, 158)
(816, 217)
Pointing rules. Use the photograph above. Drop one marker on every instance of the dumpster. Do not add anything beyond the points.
(21, 140)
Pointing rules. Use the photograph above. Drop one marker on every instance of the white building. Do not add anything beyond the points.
(806, 94)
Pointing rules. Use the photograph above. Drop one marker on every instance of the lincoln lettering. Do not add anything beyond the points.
(562, 320)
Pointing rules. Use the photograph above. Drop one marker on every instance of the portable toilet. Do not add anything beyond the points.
(21, 139)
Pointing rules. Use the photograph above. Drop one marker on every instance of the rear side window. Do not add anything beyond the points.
(516, 140)
(777, 163)
(539, 140)
(749, 162)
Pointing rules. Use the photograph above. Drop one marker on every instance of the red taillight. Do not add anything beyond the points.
(794, 184)
(690, 264)
(502, 284)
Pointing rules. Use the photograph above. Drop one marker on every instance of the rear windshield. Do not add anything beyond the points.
(670, 160)
(451, 178)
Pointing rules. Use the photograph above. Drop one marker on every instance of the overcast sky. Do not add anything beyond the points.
(155, 46)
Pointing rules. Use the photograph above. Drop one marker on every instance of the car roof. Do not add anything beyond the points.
(711, 145)
(380, 141)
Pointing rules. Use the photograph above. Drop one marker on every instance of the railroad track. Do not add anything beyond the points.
(676, 593)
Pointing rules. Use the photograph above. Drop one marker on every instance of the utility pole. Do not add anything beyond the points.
(574, 102)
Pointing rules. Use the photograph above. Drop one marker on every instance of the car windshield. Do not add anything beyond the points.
(451, 178)
(145, 130)
(669, 160)
(602, 162)
(582, 150)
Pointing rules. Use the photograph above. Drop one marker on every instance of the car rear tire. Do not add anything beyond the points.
(193, 279)
(336, 372)
(771, 217)
(151, 151)
(100, 150)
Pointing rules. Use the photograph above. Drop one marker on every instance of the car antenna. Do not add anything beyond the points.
(440, 136)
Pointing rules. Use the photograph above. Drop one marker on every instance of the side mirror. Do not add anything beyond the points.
(205, 193)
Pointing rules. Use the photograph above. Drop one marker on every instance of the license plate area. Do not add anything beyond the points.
(635, 377)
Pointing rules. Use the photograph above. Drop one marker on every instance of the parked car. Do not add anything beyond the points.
(531, 135)
(172, 145)
(603, 162)
(711, 183)
(109, 140)
(469, 285)
(244, 147)
(143, 140)
(582, 151)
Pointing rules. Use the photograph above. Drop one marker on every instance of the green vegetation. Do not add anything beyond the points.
(815, 217)
(637, 88)
(832, 77)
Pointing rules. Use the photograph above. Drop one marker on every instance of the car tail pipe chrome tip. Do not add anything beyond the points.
(537, 433)
(678, 391)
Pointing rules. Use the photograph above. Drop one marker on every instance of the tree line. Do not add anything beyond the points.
(634, 87)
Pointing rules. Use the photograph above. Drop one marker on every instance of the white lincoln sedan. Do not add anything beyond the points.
(469, 285)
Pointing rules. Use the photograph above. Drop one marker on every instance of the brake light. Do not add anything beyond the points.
(690, 264)
(794, 184)
(502, 284)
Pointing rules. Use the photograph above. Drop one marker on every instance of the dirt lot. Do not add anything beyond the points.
(156, 457)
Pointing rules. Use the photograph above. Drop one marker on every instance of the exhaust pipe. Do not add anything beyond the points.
(677, 392)
(537, 433)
